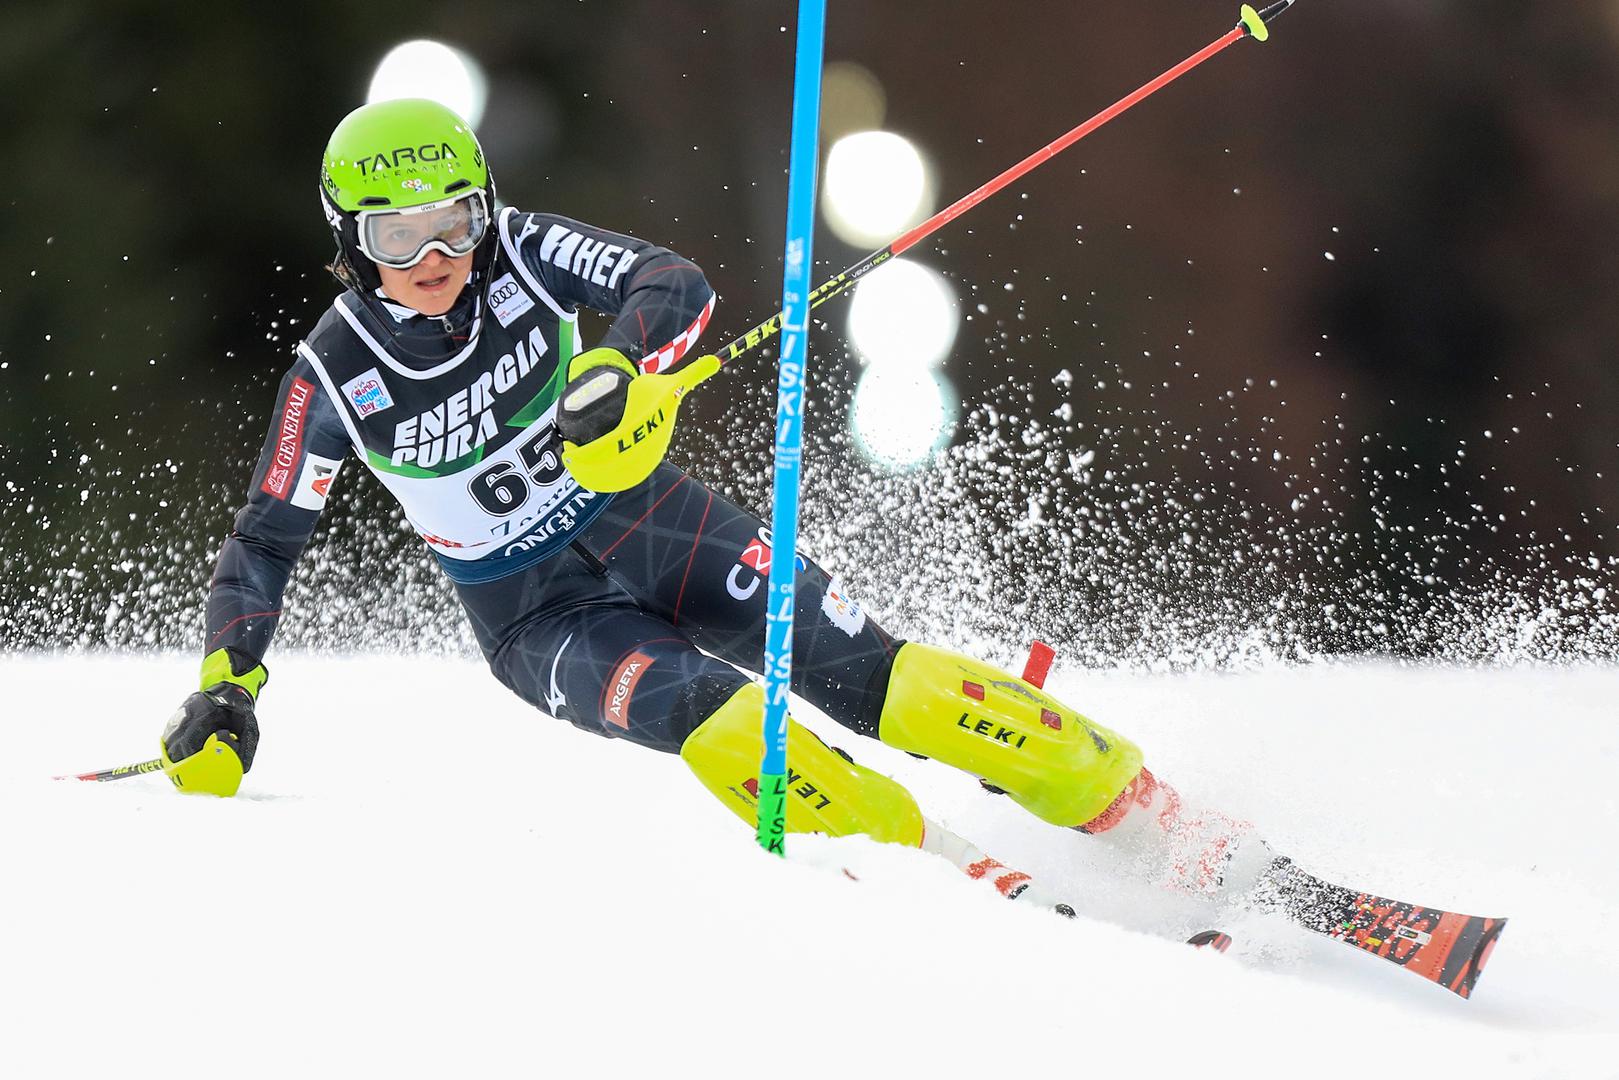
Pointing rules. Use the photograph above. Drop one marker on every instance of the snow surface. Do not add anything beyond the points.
(422, 877)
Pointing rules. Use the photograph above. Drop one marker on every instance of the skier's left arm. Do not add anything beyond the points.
(660, 302)
(617, 414)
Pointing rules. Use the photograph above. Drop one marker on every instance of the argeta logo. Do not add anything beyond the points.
(507, 299)
(621, 688)
(367, 394)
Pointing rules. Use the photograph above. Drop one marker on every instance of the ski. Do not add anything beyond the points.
(1218, 940)
(1208, 852)
(121, 772)
(1444, 947)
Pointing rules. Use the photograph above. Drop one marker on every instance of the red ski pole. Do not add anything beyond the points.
(1254, 24)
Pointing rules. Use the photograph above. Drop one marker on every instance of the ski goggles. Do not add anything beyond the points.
(402, 238)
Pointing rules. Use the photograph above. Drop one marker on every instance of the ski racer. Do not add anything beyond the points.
(622, 594)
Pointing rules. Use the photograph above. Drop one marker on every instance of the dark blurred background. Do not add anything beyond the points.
(1312, 352)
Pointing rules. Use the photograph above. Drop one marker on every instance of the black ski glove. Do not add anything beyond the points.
(224, 708)
(592, 403)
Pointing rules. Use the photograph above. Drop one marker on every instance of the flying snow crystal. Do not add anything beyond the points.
(875, 185)
(433, 70)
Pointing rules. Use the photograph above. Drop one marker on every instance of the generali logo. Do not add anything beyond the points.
(290, 440)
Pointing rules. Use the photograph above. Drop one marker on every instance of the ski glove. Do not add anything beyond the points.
(211, 739)
(616, 423)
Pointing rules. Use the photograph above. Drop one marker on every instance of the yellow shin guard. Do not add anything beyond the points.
(826, 792)
(1051, 760)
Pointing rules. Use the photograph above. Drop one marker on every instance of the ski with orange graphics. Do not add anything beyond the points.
(1207, 848)
(1444, 947)
(1213, 854)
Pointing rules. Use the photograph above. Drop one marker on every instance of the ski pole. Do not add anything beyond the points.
(122, 772)
(1254, 24)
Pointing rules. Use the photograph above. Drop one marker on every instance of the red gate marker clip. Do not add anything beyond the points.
(1038, 666)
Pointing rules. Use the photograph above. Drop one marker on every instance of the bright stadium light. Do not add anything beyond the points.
(900, 415)
(903, 314)
(433, 70)
(874, 187)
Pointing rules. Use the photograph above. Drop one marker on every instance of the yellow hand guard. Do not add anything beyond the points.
(213, 770)
(826, 792)
(627, 454)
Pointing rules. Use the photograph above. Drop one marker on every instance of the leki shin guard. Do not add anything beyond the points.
(826, 792)
(1051, 760)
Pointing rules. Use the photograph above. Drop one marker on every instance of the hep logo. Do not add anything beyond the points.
(753, 566)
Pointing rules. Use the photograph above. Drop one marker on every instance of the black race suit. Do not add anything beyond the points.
(619, 613)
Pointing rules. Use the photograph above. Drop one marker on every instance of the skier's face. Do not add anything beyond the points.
(431, 286)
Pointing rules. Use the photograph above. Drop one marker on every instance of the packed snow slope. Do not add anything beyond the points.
(423, 877)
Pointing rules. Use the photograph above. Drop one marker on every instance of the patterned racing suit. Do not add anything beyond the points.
(622, 614)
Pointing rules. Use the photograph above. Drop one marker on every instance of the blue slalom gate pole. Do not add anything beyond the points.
(802, 164)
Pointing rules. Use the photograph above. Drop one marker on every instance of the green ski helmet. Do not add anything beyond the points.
(402, 178)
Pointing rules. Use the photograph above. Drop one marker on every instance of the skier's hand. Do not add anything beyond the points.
(615, 423)
(211, 739)
(593, 401)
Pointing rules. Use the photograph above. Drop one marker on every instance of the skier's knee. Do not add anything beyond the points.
(1047, 757)
(826, 792)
